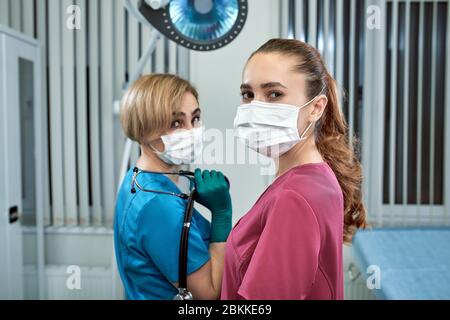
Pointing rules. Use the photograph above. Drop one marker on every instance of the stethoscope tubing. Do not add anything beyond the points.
(188, 213)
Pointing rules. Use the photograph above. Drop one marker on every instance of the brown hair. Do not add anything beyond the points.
(148, 105)
(331, 131)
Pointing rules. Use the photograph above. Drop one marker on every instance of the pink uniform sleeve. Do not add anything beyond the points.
(285, 260)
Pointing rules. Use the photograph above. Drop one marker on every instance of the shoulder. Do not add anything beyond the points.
(311, 187)
(289, 212)
(316, 183)
(319, 174)
(289, 205)
(161, 208)
(158, 217)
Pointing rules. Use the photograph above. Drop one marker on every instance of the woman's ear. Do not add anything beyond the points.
(319, 108)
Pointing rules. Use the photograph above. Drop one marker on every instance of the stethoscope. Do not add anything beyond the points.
(183, 292)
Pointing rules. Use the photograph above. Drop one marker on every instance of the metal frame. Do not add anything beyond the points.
(183, 62)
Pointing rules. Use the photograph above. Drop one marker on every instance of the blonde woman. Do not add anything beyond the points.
(161, 113)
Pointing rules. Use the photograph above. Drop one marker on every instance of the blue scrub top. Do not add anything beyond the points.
(147, 231)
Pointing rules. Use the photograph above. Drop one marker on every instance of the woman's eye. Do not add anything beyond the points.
(275, 95)
(247, 95)
(175, 125)
(196, 120)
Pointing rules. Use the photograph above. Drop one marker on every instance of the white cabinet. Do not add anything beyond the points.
(22, 137)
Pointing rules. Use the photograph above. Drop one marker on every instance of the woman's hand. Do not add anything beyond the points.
(213, 193)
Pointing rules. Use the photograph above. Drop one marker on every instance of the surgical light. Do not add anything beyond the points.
(157, 4)
(201, 25)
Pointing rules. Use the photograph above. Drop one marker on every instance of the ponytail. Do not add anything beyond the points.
(333, 144)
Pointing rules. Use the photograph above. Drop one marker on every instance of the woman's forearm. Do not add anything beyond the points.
(217, 253)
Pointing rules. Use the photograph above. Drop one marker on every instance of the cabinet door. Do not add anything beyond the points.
(21, 228)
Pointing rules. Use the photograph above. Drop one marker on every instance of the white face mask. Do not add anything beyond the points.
(269, 128)
(182, 147)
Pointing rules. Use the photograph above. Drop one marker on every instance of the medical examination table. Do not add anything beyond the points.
(414, 262)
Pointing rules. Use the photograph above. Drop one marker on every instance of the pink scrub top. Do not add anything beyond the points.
(289, 245)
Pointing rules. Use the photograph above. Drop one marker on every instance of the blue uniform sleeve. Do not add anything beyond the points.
(159, 232)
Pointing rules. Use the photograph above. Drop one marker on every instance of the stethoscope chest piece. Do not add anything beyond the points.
(183, 294)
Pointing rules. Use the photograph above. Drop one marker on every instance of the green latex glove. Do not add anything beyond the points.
(213, 193)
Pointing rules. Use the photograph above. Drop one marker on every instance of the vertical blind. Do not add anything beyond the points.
(415, 102)
(412, 136)
(415, 176)
(85, 72)
(336, 28)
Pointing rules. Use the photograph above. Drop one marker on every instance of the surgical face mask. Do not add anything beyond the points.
(269, 128)
(182, 147)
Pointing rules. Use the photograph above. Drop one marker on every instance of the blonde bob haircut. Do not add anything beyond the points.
(148, 106)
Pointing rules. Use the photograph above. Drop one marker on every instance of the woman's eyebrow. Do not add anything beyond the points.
(182, 114)
(264, 86)
(179, 114)
(272, 85)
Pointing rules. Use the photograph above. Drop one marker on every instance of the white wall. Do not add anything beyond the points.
(217, 76)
